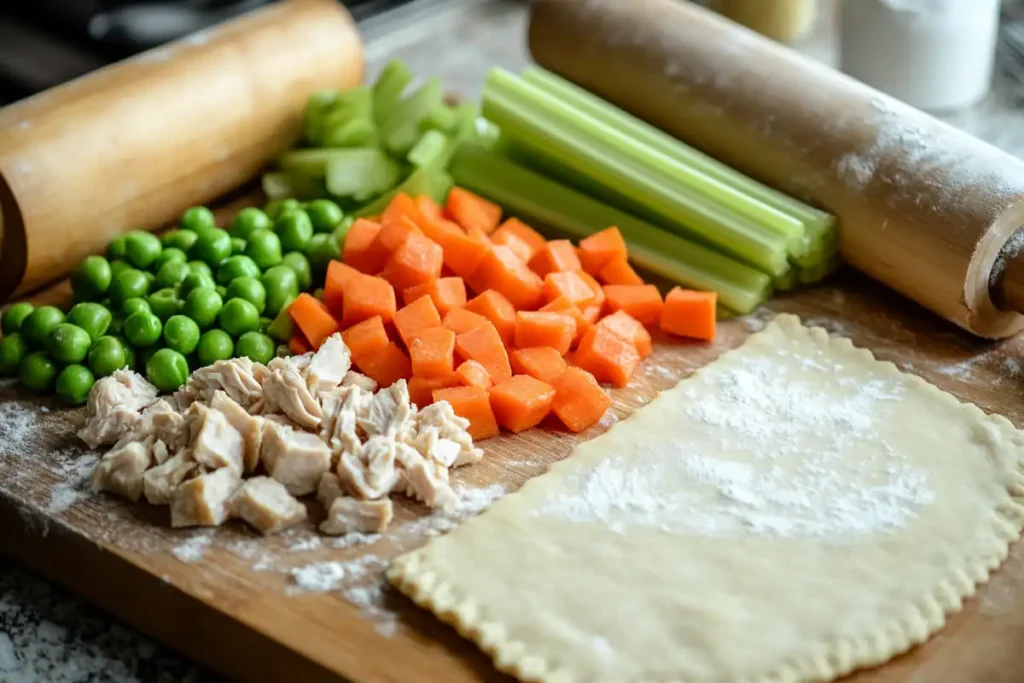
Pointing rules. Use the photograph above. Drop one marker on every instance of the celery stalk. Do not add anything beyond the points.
(361, 173)
(401, 130)
(278, 185)
(546, 202)
(430, 149)
(429, 181)
(387, 91)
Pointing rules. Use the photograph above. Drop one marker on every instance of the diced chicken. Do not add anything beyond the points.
(358, 379)
(294, 458)
(329, 489)
(431, 446)
(285, 391)
(424, 480)
(347, 515)
(114, 407)
(266, 505)
(450, 426)
(162, 421)
(372, 474)
(239, 378)
(159, 483)
(120, 471)
(298, 363)
(215, 442)
(204, 501)
(328, 365)
(342, 408)
(390, 413)
(249, 426)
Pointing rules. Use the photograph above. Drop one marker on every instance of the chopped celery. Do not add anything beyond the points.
(361, 173)
(444, 119)
(553, 130)
(387, 91)
(788, 280)
(282, 329)
(431, 182)
(312, 162)
(278, 185)
(430, 149)
(317, 106)
(546, 202)
(355, 132)
(402, 127)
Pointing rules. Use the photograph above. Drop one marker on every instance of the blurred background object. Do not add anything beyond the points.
(782, 20)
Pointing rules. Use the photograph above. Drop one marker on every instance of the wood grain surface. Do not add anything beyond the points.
(230, 600)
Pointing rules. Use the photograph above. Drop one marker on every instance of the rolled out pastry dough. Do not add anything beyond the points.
(791, 512)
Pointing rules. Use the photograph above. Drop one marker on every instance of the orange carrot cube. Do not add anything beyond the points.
(459, 320)
(566, 307)
(618, 272)
(472, 374)
(555, 256)
(600, 248)
(483, 344)
(580, 402)
(630, 329)
(365, 339)
(472, 211)
(568, 284)
(298, 345)
(313, 319)
(474, 405)
(643, 302)
(495, 307)
(596, 288)
(388, 366)
(368, 296)
(688, 313)
(362, 251)
(339, 278)
(433, 353)
(521, 402)
(416, 261)
(543, 362)
(514, 242)
(501, 270)
(524, 232)
(446, 293)
(537, 328)
(421, 389)
(395, 231)
(607, 356)
(414, 318)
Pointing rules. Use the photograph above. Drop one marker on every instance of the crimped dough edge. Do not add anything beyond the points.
(413, 575)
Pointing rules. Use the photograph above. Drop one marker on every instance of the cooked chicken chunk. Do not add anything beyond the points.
(285, 391)
(215, 442)
(432, 447)
(358, 379)
(424, 480)
(121, 470)
(249, 426)
(372, 473)
(204, 501)
(450, 426)
(159, 483)
(294, 458)
(328, 365)
(162, 421)
(390, 413)
(239, 378)
(329, 489)
(347, 515)
(342, 408)
(266, 505)
(114, 406)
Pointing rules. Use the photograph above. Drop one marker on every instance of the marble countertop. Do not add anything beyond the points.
(47, 634)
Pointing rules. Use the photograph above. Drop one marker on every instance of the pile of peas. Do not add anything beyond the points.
(165, 306)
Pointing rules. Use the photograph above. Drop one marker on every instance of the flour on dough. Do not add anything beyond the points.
(792, 512)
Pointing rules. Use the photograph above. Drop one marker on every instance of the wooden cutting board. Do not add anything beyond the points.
(231, 599)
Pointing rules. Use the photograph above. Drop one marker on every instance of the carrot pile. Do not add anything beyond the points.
(505, 325)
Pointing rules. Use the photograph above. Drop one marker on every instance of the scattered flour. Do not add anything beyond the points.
(320, 577)
(472, 501)
(608, 419)
(355, 538)
(194, 548)
(834, 327)
(305, 545)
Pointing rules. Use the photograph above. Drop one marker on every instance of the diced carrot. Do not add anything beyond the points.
(441, 230)
(592, 313)
(414, 318)
(501, 270)
(607, 356)
(388, 366)
(402, 206)
(362, 251)
(462, 253)
(643, 302)
(446, 293)
(543, 362)
(600, 248)
(313, 318)
(495, 307)
(339, 278)
(521, 402)
(433, 353)
(472, 374)
(417, 260)
(618, 272)
(474, 405)
(568, 284)
(688, 313)
(580, 402)
(566, 307)
(472, 211)
(365, 339)
(298, 345)
(537, 328)
(369, 296)
(429, 209)
(421, 389)
(630, 329)
(524, 232)
(459, 320)
(483, 344)
(394, 232)
(554, 256)
(514, 242)
(595, 287)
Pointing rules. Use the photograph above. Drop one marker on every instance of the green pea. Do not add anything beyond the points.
(237, 266)
(167, 370)
(142, 248)
(214, 345)
(68, 343)
(248, 221)
(238, 317)
(37, 327)
(116, 249)
(74, 384)
(165, 303)
(93, 318)
(212, 247)
(264, 247)
(171, 274)
(322, 250)
(194, 281)
(142, 329)
(203, 306)
(169, 255)
(237, 246)
(134, 305)
(295, 230)
(275, 208)
(325, 214)
(181, 334)
(250, 289)
(149, 278)
(341, 232)
(116, 268)
(180, 239)
(130, 359)
(38, 372)
(300, 264)
(222, 290)
(129, 284)
(197, 219)
(116, 324)
(12, 350)
(282, 285)
(255, 346)
(14, 316)
(106, 355)
(91, 280)
(200, 267)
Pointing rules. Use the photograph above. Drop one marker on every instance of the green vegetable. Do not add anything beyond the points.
(401, 129)
(195, 281)
(106, 355)
(249, 220)
(200, 267)
(14, 316)
(129, 284)
(131, 360)
(116, 324)
(135, 305)
(341, 232)
(431, 182)
(237, 266)
(277, 185)
(295, 230)
(38, 372)
(203, 306)
(215, 345)
(116, 268)
(36, 328)
(321, 251)
(164, 303)
(430, 150)
(388, 89)
(300, 265)
(256, 346)
(237, 246)
(282, 328)
(281, 284)
(221, 290)
(91, 280)
(142, 248)
(317, 106)
(347, 120)
(181, 334)
(239, 316)
(171, 274)
(68, 343)
(12, 350)
(212, 247)
(116, 249)
(169, 255)
(142, 329)
(276, 208)
(93, 318)
(180, 239)
(250, 289)
(361, 173)
(74, 383)
(264, 248)
(167, 370)
(197, 219)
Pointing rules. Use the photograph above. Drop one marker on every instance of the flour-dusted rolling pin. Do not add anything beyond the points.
(133, 145)
(922, 207)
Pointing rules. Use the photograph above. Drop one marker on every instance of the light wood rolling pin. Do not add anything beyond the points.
(923, 207)
(133, 145)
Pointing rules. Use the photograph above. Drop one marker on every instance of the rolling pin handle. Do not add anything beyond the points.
(1007, 281)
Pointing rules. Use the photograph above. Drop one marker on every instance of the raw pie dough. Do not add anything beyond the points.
(791, 512)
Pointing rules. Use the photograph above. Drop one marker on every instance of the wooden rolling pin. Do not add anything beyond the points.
(923, 207)
(133, 145)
